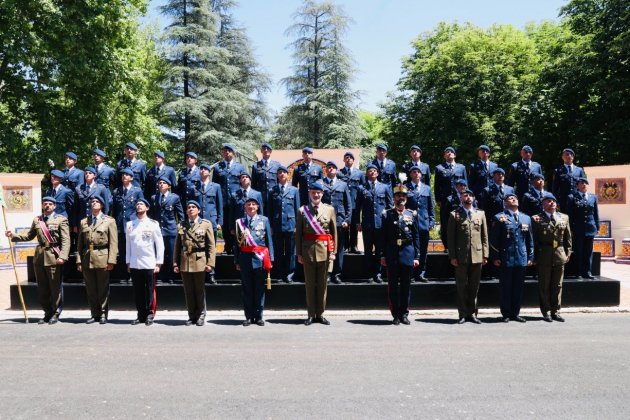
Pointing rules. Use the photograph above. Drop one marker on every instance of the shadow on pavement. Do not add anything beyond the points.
(370, 321)
(298, 321)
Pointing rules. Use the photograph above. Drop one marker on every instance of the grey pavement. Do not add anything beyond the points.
(359, 367)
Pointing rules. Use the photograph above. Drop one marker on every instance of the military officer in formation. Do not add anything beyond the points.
(452, 202)
(420, 200)
(62, 195)
(97, 249)
(193, 257)
(565, 178)
(583, 214)
(187, 176)
(522, 171)
(316, 245)
(83, 197)
(306, 173)
(553, 250)
(468, 251)
(415, 152)
(166, 208)
(53, 246)
(137, 167)
(401, 253)
(355, 178)
(386, 167)
(493, 196)
(253, 258)
(144, 256)
(481, 172)
(532, 200)
(238, 199)
(265, 174)
(157, 171)
(125, 198)
(72, 176)
(105, 174)
(446, 175)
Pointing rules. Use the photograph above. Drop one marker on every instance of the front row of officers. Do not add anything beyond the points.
(513, 242)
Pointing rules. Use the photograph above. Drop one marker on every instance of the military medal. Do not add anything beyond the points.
(555, 244)
(399, 242)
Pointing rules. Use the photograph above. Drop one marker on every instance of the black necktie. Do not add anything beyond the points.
(373, 188)
(315, 208)
(45, 219)
(516, 217)
(94, 218)
(162, 200)
(469, 214)
(264, 164)
(281, 189)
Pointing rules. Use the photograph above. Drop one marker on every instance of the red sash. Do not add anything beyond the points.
(330, 243)
(48, 236)
(263, 250)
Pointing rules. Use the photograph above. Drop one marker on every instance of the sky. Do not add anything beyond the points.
(379, 37)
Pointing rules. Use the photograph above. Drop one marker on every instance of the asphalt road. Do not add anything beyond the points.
(359, 367)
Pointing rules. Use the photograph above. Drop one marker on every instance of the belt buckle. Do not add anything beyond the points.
(399, 242)
(190, 249)
(91, 247)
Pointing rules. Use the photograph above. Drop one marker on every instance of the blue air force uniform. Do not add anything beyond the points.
(531, 203)
(520, 175)
(210, 199)
(153, 176)
(168, 212)
(252, 271)
(354, 178)
(480, 176)
(420, 200)
(105, 176)
(65, 201)
(137, 166)
(491, 200)
(337, 194)
(425, 171)
(237, 201)
(284, 204)
(512, 243)
(264, 178)
(83, 201)
(564, 183)
(228, 176)
(186, 182)
(73, 178)
(446, 175)
(304, 175)
(387, 172)
(583, 215)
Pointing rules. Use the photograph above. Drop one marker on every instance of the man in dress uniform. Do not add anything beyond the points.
(468, 252)
(83, 197)
(237, 202)
(144, 255)
(105, 174)
(62, 195)
(72, 176)
(187, 176)
(452, 202)
(425, 170)
(354, 177)
(337, 194)
(512, 251)
(97, 249)
(401, 253)
(53, 245)
(565, 178)
(264, 175)
(481, 172)
(316, 244)
(522, 171)
(373, 198)
(284, 205)
(227, 174)
(583, 215)
(553, 250)
(532, 200)
(166, 208)
(492, 197)
(125, 198)
(159, 170)
(137, 166)
(386, 167)
(306, 173)
(253, 258)
(194, 257)
(420, 199)
(446, 175)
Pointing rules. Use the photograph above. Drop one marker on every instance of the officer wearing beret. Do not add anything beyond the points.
(62, 195)
(552, 236)
(97, 249)
(187, 176)
(306, 173)
(194, 257)
(512, 251)
(227, 174)
(492, 197)
(138, 167)
(166, 209)
(316, 245)
(125, 198)
(265, 175)
(401, 253)
(253, 258)
(583, 214)
(425, 170)
(284, 206)
(144, 255)
(72, 176)
(83, 197)
(468, 252)
(354, 177)
(157, 171)
(532, 200)
(105, 174)
(53, 245)
(420, 199)
(481, 172)
(387, 173)
(522, 171)
(565, 178)
(373, 199)
(237, 201)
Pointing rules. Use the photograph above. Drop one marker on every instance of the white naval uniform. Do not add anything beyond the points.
(145, 245)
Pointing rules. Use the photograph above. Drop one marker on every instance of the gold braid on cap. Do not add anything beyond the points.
(400, 189)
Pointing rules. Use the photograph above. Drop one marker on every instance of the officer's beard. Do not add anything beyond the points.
(401, 202)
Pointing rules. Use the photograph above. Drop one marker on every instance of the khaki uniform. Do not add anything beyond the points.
(553, 248)
(47, 272)
(468, 243)
(194, 250)
(97, 246)
(315, 255)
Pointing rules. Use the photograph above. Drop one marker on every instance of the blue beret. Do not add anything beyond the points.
(348, 154)
(569, 150)
(372, 166)
(194, 203)
(165, 179)
(416, 147)
(131, 146)
(159, 153)
(205, 166)
(508, 195)
(126, 171)
(245, 173)
(449, 149)
(382, 146)
(100, 153)
(252, 199)
(267, 145)
(99, 198)
(537, 176)
(498, 170)
(57, 173)
(142, 200)
(191, 154)
(49, 199)
(467, 191)
(316, 185)
(331, 163)
(415, 168)
(549, 196)
(461, 181)
(228, 146)
(527, 149)
(90, 169)
(484, 147)
(72, 155)
(582, 180)
(307, 150)
(283, 168)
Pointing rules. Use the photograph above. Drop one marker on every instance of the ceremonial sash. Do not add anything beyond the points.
(321, 234)
(48, 236)
(261, 252)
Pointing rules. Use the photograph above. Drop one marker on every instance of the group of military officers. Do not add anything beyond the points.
(150, 236)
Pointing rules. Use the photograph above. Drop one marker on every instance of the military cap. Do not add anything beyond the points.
(461, 181)
(100, 153)
(331, 163)
(307, 150)
(316, 185)
(449, 149)
(348, 154)
(527, 149)
(159, 154)
(164, 179)
(90, 169)
(194, 203)
(99, 197)
(498, 170)
(416, 147)
(131, 146)
(372, 166)
(206, 166)
(267, 145)
(245, 173)
(57, 173)
(126, 171)
(228, 146)
(568, 150)
(49, 199)
(283, 168)
(468, 191)
(382, 146)
(508, 195)
(71, 155)
(549, 196)
(584, 180)
(252, 199)
(415, 168)
(191, 154)
(484, 147)
(145, 201)
(537, 176)
(400, 189)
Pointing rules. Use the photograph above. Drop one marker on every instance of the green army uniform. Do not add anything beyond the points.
(553, 248)
(97, 246)
(47, 272)
(194, 250)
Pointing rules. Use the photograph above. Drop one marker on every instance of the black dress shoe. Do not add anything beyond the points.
(336, 279)
(422, 279)
(588, 276)
(461, 320)
(378, 280)
(370, 280)
(519, 318)
(260, 323)
(103, 320)
(200, 322)
(396, 321)
(547, 318)
(91, 321)
(189, 323)
(42, 321)
(405, 320)
(148, 322)
(288, 281)
(135, 321)
(212, 280)
(53, 319)
(247, 323)
(506, 319)
(557, 317)
(308, 321)
(323, 320)
(474, 319)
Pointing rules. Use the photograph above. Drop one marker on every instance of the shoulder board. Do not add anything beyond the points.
(206, 220)
(107, 217)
